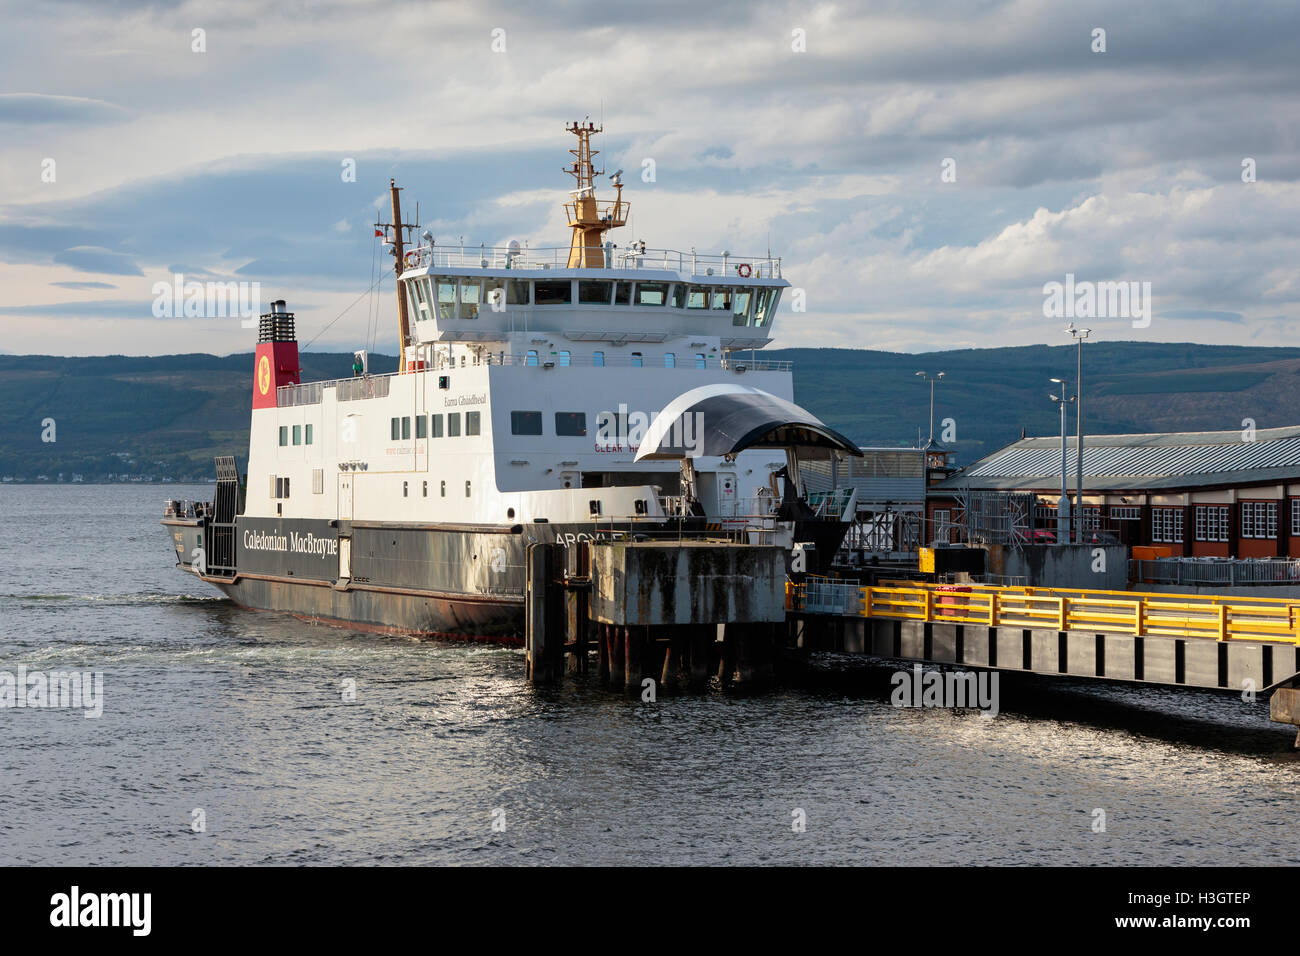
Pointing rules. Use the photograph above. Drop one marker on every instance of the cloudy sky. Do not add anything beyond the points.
(923, 169)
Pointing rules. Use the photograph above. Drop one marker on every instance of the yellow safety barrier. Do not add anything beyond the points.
(1213, 617)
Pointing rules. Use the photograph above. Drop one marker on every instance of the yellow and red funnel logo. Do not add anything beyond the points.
(275, 364)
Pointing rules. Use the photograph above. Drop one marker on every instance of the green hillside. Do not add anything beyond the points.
(135, 418)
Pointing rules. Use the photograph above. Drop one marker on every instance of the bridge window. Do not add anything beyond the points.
(623, 293)
(762, 304)
(436, 422)
(670, 360)
(722, 300)
(697, 298)
(740, 307)
(446, 298)
(469, 298)
(553, 292)
(494, 293)
(517, 291)
(636, 360)
(594, 292)
(651, 293)
(284, 434)
(598, 359)
(531, 357)
(422, 289)
(701, 360)
(679, 296)
(473, 422)
(564, 358)
(421, 426)
(297, 434)
(571, 424)
(453, 424)
(525, 423)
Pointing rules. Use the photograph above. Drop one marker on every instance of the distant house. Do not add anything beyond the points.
(1207, 494)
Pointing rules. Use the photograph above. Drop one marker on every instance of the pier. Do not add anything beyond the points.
(679, 613)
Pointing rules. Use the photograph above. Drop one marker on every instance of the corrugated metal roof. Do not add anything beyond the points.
(1168, 460)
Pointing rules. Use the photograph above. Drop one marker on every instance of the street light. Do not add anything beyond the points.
(1079, 336)
(1063, 503)
(927, 378)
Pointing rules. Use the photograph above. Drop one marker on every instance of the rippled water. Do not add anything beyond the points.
(240, 713)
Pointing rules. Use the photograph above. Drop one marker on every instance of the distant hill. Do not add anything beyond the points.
(130, 418)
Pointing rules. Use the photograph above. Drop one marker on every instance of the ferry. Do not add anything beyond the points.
(583, 392)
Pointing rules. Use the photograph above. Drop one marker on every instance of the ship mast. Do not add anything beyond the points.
(589, 219)
(399, 252)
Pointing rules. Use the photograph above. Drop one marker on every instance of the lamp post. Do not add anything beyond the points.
(1063, 503)
(926, 378)
(1079, 336)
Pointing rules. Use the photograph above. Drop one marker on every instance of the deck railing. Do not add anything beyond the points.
(1217, 617)
(345, 390)
(460, 257)
(1228, 572)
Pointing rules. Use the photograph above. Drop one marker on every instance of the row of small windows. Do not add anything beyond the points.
(448, 297)
(1258, 520)
(431, 426)
(424, 489)
(564, 358)
(299, 433)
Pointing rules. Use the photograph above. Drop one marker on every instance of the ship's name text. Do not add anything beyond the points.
(294, 542)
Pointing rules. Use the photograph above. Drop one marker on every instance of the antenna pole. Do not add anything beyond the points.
(399, 254)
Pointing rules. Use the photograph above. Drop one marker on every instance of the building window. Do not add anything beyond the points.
(308, 434)
(942, 524)
(473, 422)
(1259, 519)
(284, 434)
(570, 424)
(1125, 513)
(525, 423)
(297, 434)
(1211, 522)
(1295, 517)
(453, 424)
(394, 428)
(598, 359)
(1167, 525)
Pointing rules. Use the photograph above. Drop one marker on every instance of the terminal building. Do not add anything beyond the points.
(1229, 494)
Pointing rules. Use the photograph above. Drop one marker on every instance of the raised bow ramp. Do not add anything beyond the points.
(725, 419)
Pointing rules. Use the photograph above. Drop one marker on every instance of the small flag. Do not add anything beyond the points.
(379, 233)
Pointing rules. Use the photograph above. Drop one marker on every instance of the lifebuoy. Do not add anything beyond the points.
(412, 258)
(744, 270)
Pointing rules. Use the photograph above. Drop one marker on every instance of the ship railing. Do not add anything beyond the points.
(686, 360)
(638, 257)
(345, 390)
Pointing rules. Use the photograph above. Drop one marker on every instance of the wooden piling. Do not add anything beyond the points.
(544, 624)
